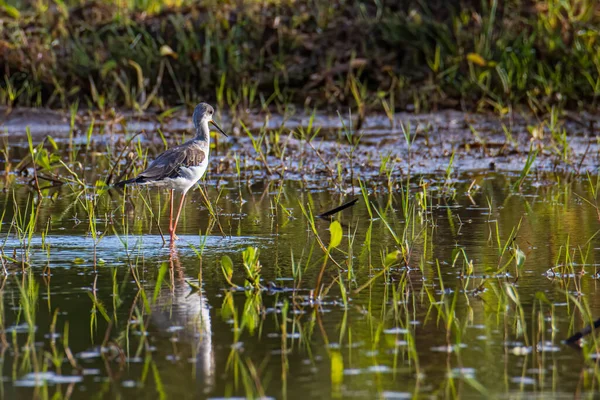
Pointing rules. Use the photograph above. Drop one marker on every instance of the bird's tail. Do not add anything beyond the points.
(126, 182)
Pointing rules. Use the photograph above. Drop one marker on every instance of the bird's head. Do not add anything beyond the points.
(203, 115)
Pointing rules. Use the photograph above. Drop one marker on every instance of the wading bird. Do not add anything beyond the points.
(180, 167)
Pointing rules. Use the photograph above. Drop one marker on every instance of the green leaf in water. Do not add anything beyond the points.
(541, 296)
(78, 260)
(391, 258)
(252, 265)
(160, 389)
(192, 285)
(159, 280)
(99, 306)
(512, 293)
(336, 234)
(337, 368)
(52, 142)
(227, 268)
(519, 258)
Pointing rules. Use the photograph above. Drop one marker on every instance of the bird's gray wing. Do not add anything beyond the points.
(167, 164)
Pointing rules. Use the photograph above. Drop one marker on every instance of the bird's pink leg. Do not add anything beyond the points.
(177, 217)
(171, 231)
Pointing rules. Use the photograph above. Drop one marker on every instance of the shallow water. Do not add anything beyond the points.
(195, 345)
(118, 315)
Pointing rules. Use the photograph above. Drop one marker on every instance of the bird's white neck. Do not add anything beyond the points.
(203, 132)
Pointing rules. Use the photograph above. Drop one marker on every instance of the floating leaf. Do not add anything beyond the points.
(476, 59)
(78, 260)
(335, 229)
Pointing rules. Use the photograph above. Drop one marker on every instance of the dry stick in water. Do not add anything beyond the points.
(55, 182)
(584, 332)
(329, 213)
(317, 292)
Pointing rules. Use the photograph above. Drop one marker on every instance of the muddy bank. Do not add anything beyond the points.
(369, 55)
(444, 144)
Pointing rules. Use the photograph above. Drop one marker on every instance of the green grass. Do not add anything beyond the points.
(142, 54)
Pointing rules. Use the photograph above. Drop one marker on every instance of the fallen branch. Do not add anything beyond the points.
(572, 341)
(336, 210)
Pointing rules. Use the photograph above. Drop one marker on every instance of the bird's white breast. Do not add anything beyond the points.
(188, 177)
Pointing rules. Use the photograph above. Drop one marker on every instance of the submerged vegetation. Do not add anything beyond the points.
(251, 54)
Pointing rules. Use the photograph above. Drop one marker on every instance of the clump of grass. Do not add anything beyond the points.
(252, 268)
(531, 156)
(141, 54)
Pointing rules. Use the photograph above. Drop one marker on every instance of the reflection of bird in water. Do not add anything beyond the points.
(184, 314)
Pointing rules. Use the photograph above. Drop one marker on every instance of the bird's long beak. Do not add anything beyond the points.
(213, 123)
